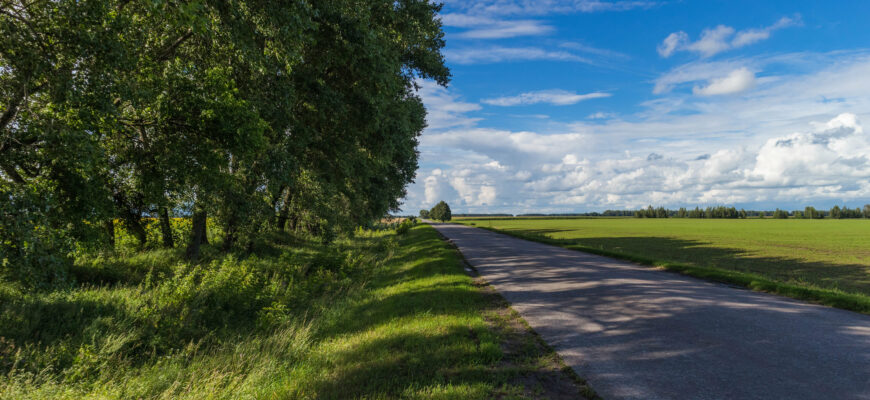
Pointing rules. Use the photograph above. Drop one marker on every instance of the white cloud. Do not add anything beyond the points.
(492, 28)
(444, 109)
(593, 50)
(790, 142)
(736, 81)
(601, 115)
(497, 54)
(721, 38)
(543, 7)
(672, 43)
(554, 97)
(712, 41)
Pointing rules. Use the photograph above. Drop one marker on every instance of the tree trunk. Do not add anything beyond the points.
(133, 223)
(197, 234)
(132, 218)
(285, 211)
(230, 235)
(110, 231)
(166, 228)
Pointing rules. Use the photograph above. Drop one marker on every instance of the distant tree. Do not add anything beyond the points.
(424, 214)
(797, 214)
(866, 211)
(812, 213)
(440, 212)
(742, 213)
(780, 214)
(682, 213)
(661, 212)
(836, 213)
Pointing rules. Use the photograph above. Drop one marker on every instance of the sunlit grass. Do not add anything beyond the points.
(379, 316)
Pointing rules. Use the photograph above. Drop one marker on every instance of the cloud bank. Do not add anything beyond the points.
(792, 141)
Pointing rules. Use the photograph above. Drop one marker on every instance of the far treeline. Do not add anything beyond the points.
(242, 118)
(441, 212)
(730, 212)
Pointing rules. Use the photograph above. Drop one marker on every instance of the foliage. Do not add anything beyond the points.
(424, 214)
(252, 116)
(441, 212)
(370, 317)
(811, 213)
(780, 214)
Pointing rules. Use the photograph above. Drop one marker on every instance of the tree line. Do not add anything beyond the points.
(836, 212)
(254, 116)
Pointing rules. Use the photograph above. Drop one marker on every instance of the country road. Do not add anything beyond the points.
(639, 333)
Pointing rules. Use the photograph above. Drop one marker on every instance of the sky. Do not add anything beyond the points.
(561, 106)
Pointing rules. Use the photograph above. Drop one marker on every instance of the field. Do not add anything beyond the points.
(379, 315)
(831, 258)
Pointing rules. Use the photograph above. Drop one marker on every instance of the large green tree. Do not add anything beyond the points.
(303, 114)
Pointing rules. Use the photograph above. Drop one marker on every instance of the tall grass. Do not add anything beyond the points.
(152, 325)
(379, 315)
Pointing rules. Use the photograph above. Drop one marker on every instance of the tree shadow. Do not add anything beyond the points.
(850, 278)
(630, 329)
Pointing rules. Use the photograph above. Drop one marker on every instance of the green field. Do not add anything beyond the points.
(833, 255)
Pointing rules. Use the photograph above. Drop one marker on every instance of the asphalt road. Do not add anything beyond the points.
(639, 333)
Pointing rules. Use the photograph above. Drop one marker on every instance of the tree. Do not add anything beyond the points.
(247, 114)
(441, 212)
(424, 214)
(780, 214)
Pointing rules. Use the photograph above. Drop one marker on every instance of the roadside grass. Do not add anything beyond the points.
(821, 261)
(376, 316)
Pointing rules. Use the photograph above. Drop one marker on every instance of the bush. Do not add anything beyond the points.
(405, 226)
(34, 251)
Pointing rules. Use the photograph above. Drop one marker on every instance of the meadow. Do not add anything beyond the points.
(827, 261)
(376, 315)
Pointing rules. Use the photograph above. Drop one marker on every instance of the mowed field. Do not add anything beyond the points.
(827, 254)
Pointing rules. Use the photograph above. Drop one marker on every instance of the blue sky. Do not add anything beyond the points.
(573, 106)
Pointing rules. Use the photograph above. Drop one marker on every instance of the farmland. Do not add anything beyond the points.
(832, 255)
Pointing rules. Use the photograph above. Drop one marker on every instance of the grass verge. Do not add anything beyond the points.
(377, 316)
(806, 292)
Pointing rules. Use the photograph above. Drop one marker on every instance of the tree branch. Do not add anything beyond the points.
(170, 50)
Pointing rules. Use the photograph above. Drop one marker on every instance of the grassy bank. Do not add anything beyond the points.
(377, 316)
(823, 261)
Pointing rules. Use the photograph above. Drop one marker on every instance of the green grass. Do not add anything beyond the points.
(377, 316)
(824, 261)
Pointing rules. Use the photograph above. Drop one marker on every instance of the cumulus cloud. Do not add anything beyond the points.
(555, 97)
(736, 81)
(720, 38)
(783, 144)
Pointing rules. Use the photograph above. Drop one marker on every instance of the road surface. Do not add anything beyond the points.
(639, 333)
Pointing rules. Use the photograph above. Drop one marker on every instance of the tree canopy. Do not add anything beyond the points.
(254, 115)
(441, 212)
